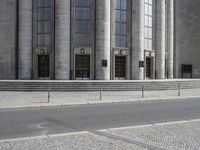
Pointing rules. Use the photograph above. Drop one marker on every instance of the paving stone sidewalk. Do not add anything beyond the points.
(175, 136)
(170, 136)
(37, 99)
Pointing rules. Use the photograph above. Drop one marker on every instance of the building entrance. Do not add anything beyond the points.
(120, 67)
(148, 68)
(43, 66)
(82, 66)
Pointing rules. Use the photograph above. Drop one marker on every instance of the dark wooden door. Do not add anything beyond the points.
(120, 67)
(148, 67)
(82, 64)
(43, 66)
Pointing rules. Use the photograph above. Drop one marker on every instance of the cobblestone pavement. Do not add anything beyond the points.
(172, 136)
(167, 136)
(85, 141)
(36, 99)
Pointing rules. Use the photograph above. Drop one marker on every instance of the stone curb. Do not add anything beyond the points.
(99, 102)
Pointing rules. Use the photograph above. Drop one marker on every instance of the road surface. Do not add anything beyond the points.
(15, 123)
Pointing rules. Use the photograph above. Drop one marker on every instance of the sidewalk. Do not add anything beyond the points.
(38, 99)
(183, 135)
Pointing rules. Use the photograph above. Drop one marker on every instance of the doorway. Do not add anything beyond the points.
(43, 66)
(120, 67)
(82, 66)
(148, 68)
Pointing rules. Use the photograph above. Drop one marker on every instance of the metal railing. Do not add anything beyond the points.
(148, 88)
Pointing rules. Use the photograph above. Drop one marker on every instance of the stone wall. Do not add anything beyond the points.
(188, 35)
(187, 39)
(7, 39)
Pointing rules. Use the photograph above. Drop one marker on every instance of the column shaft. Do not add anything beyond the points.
(25, 40)
(62, 39)
(138, 39)
(160, 39)
(170, 40)
(102, 39)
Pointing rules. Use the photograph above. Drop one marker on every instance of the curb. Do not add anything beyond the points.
(99, 102)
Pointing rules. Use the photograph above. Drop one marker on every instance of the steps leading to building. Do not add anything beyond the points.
(147, 85)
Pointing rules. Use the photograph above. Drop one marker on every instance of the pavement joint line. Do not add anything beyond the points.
(69, 134)
(178, 122)
(23, 139)
(130, 141)
(150, 125)
(44, 136)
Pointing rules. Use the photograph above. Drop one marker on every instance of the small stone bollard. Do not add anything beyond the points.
(48, 96)
(179, 89)
(100, 93)
(142, 91)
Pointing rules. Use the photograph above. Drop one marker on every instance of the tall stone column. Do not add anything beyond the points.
(102, 39)
(170, 40)
(160, 39)
(62, 39)
(25, 40)
(138, 39)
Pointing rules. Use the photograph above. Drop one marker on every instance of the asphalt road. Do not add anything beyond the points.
(53, 120)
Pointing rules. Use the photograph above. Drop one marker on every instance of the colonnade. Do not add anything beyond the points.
(103, 39)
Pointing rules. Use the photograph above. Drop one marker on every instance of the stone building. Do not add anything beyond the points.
(99, 39)
(187, 54)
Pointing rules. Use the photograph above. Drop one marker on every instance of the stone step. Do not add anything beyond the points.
(96, 86)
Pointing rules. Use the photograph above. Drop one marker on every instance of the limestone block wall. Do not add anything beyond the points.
(187, 39)
(7, 39)
(187, 25)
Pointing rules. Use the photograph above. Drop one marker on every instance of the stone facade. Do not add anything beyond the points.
(187, 38)
(8, 34)
(99, 39)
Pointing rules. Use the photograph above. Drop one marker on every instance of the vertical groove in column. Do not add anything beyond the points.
(102, 39)
(137, 39)
(62, 39)
(170, 40)
(160, 39)
(25, 40)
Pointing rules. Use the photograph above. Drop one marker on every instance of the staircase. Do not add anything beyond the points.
(127, 85)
